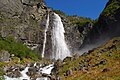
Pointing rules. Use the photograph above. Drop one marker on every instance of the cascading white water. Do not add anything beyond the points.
(24, 75)
(45, 70)
(59, 47)
(46, 28)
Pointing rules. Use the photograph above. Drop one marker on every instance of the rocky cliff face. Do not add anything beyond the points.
(24, 20)
(109, 20)
(106, 27)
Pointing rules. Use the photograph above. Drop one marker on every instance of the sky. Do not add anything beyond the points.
(84, 8)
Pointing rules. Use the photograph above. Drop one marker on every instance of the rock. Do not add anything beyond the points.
(103, 62)
(87, 60)
(68, 59)
(44, 75)
(22, 67)
(52, 77)
(4, 56)
(14, 74)
(69, 72)
(32, 71)
(74, 69)
(25, 79)
(35, 76)
(11, 7)
(106, 70)
(75, 56)
(85, 54)
(31, 64)
(25, 1)
(59, 78)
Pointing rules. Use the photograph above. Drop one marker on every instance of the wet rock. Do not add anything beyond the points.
(52, 77)
(35, 76)
(32, 71)
(25, 79)
(14, 74)
(44, 75)
(32, 64)
(22, 67)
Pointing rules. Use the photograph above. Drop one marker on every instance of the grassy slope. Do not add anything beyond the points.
(110, 52)
(21, 52)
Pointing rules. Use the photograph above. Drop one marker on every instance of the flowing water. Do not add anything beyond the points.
(44, 70)
(59, 46)
(46, 28)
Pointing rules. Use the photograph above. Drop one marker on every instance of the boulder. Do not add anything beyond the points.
(106, 70)
(4, 56)
(103, 62)
(69, 72)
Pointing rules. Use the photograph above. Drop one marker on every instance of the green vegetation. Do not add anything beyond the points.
(111, 8)
(94, 69)
(79, 21)
(17, 48)
(76, 20)
(2, 78)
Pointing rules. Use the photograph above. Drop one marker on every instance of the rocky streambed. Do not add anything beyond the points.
(33, 71)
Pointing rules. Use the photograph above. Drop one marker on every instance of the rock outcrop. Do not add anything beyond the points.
(4, 56)
(24, 20)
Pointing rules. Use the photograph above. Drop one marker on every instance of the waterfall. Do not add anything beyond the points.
(46, 28)
(59, 47)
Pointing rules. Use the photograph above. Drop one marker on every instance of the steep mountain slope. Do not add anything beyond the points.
(100, 63)
(109, 20)
(24, 20)
(108, 23)
(105, 27)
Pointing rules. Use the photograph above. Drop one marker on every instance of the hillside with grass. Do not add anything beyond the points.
(102, 63)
